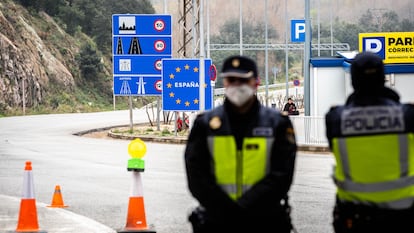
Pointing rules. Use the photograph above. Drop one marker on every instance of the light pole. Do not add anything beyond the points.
(208, 30)
(241, 27)
(286, 52)
(331, 29)
(319, 28)
(307, 55)
(266, 58)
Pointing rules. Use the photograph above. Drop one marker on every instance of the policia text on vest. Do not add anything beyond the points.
(375, 119)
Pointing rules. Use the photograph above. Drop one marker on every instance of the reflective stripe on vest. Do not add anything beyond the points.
(388, 181)
(236, 171)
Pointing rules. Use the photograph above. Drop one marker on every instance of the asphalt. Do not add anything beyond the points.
(51, 220)
(59, 220)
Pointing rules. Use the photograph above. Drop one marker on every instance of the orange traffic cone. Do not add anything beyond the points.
(136, 220)
(57, 200)
(28, 213)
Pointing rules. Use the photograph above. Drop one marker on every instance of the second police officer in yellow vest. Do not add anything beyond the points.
(240, 159)
(372, 138)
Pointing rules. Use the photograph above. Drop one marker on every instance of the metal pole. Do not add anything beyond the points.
(158, 97)
(131, 121)
(208, 30)
(307, 55)
(330, 17)
(241, 27)
(286, 51)
(319, 28)
(158, 113)
(266, 57)
(113, 98)
(24, 97)
(212, 83)
(165, 6)
(202, 69)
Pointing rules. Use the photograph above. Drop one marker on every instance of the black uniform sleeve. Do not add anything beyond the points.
(201, 181)
(265, 196)
(331, 119)
(409, 117)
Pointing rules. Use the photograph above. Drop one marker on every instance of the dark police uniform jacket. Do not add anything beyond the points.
(259, 205)
(372, 138)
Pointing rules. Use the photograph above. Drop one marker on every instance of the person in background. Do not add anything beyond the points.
(240, 159)
(372, 138)
(290, 107)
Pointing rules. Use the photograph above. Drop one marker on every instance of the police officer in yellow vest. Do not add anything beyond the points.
(372, 138)
(240, 159)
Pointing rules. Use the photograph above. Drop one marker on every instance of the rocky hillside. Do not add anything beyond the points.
(37, 59)
(47, 70)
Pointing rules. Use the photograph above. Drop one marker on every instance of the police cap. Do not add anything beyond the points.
(367, 71)
(240, 67)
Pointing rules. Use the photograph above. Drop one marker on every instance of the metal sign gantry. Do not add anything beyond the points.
(335, 47)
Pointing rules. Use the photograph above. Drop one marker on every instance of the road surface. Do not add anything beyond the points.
(96, 185)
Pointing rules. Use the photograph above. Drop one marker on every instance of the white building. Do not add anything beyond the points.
(330, 82)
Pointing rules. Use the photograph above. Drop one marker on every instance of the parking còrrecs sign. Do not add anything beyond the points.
(393, 47)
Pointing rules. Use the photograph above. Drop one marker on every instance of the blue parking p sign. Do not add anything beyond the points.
(297, 30)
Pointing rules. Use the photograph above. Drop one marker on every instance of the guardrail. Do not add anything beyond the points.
(310, 130)
(262, 88)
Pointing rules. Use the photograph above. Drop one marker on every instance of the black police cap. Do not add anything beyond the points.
(367, 71)
(239, 66)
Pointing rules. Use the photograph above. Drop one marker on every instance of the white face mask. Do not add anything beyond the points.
(239, 95)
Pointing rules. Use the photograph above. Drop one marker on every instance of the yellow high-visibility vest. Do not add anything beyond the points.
(377, 169)
(237, 170)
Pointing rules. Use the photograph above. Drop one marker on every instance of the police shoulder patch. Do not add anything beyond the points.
(215, 122)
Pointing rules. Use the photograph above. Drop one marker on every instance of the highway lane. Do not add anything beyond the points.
(95, 183)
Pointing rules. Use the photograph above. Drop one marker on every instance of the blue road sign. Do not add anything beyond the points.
(142, 65)
(296, 82)
(137, 85)
(297, 32)
(141, 24)
(155, 45)
(181, 87)
(139, 43)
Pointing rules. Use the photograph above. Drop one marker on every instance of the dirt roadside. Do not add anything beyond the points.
(165, 133)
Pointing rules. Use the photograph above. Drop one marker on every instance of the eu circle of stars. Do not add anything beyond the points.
(181, 84)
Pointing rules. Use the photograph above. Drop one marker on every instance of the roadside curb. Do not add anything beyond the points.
(159, 139)
(183, 139)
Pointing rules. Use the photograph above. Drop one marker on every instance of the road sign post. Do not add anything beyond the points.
(139, 43)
